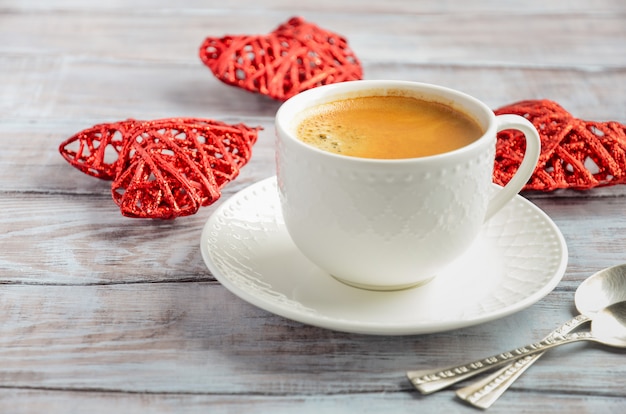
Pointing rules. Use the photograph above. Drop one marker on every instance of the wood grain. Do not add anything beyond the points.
(103, 313)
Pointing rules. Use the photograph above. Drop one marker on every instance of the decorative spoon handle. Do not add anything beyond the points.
(429, 381)
(484, 392)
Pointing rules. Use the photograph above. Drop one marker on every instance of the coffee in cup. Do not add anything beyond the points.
(387, 127)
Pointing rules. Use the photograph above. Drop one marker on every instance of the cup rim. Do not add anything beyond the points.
(345, 90)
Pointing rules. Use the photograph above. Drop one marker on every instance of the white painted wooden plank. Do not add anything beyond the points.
(592, 41)
(358, 6)
(106, 403)
(54, 110)
(40, 88)
(198, 338)
(84, 239)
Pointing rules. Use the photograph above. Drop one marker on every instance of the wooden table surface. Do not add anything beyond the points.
(102, 313)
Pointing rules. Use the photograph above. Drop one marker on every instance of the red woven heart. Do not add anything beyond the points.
(165, 168)
(575, 153)
(295, 57)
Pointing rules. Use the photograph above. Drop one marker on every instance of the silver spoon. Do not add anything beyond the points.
(608, 327)
(604, 288)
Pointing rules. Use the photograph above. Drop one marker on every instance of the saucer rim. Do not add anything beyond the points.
(391, 328)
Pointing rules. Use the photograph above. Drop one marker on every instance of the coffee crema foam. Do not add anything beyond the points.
(387, 127)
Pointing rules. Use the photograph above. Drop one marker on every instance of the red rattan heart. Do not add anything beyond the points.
(295, 57)
(165, 168)
(575, 153)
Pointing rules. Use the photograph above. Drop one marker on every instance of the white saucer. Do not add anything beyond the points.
(519, 257)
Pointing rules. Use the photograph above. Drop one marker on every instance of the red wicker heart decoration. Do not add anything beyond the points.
(293, 58)
(165, 168)
(575, 154)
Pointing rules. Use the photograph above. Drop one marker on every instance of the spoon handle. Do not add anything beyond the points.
(483, 393)
(429, 381)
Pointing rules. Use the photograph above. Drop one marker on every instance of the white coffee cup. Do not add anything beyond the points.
(387, 224)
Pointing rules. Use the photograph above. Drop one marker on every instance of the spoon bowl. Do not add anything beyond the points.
(600, 290)
(608, 326)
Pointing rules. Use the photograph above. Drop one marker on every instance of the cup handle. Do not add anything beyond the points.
(525, 170)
